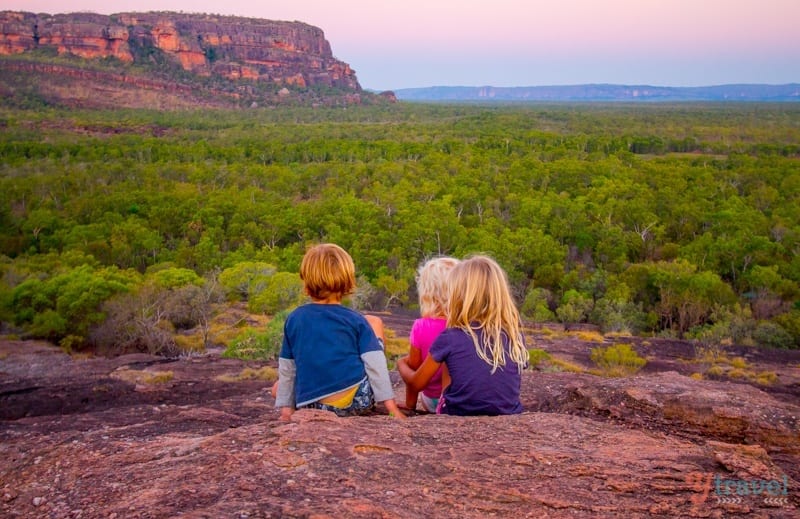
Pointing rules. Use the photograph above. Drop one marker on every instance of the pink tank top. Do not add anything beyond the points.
(422, 335)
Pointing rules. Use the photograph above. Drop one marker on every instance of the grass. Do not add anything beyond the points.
(565, 365)
(541, 360)
(588, 336)
(737, 368)
(143, 377)
(266, 373)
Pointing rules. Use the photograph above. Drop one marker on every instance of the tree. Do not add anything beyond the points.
(687, 297)
(574, 308)
(246, 279)
(537, 305)
(283, 291)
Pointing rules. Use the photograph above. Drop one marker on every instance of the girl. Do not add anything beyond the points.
(432, 289)
(482, 349)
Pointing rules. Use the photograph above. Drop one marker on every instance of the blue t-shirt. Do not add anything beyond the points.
(326, 343)
(474, 389)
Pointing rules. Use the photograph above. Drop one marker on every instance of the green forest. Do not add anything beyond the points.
(119, 229)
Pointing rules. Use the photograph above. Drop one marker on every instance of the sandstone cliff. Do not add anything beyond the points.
(245, 52)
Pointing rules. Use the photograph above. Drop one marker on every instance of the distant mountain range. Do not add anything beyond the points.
(603, 92)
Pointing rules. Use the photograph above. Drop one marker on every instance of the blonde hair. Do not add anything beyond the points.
(327, 270)
(432, 285)
(479, 298)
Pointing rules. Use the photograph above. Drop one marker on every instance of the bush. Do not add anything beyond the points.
(536, 356)
(254, 345)
(537, 306)
(772, 335)
(618, 360)
(790, 322)
(283, 291)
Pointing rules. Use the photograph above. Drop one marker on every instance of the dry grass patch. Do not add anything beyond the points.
(736, 368)
(190, 343)
(551, 333)
(558, 364)
(143, 377)
(266, 373)
(588, 336)
(395, 346)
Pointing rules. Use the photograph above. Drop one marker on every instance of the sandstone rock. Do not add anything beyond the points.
(291, 53)
(585, 447)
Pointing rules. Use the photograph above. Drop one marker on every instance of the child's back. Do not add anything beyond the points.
(331, 357)
(482, 349)
(474, 389)
(327, 342)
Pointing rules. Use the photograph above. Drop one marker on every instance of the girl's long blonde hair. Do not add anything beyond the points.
(432, 285)
(479, 298)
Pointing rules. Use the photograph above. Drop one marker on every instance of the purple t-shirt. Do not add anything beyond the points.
(423, 333)
(474, 389)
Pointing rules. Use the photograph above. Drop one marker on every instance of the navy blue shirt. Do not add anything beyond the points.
(326, 344)
(474, 389)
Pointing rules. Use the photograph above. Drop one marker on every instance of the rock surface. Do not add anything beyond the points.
(108, 438)
(290, 53)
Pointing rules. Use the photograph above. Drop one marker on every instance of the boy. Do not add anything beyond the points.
(332, 356)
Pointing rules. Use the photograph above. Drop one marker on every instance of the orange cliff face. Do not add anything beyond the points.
(167, 38)
(83, 37)
(17, 33)
(290, 53)
(88, 41)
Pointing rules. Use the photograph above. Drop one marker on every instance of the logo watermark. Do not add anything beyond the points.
(775, 492)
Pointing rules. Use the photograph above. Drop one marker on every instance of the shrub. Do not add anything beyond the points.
(739, 363)
(537, 306)
(254, 345)
(772, 335)
(283, 291)
(790, 322)
(618, 360)
(536, 356)
(766, 378)
(245, 279)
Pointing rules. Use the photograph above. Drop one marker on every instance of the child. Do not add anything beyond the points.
(331, 357)
(482, 349)
(432, 289)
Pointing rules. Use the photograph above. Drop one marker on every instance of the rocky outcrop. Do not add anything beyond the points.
(288, 53)
(93, 438)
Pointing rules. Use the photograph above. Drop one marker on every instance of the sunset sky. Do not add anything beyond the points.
(420, 43)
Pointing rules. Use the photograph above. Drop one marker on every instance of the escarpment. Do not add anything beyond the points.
(239, 57)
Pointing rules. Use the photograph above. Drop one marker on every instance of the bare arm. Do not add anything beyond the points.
(414, 360)
(419, 378)
(394, 411)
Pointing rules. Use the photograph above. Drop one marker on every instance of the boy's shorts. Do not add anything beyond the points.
(363, 402)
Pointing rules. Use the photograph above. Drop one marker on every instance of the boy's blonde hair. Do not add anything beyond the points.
(432, 285)
(328, 271)
(479, 297)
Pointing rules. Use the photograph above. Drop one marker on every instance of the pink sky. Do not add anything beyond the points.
(417, 43)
